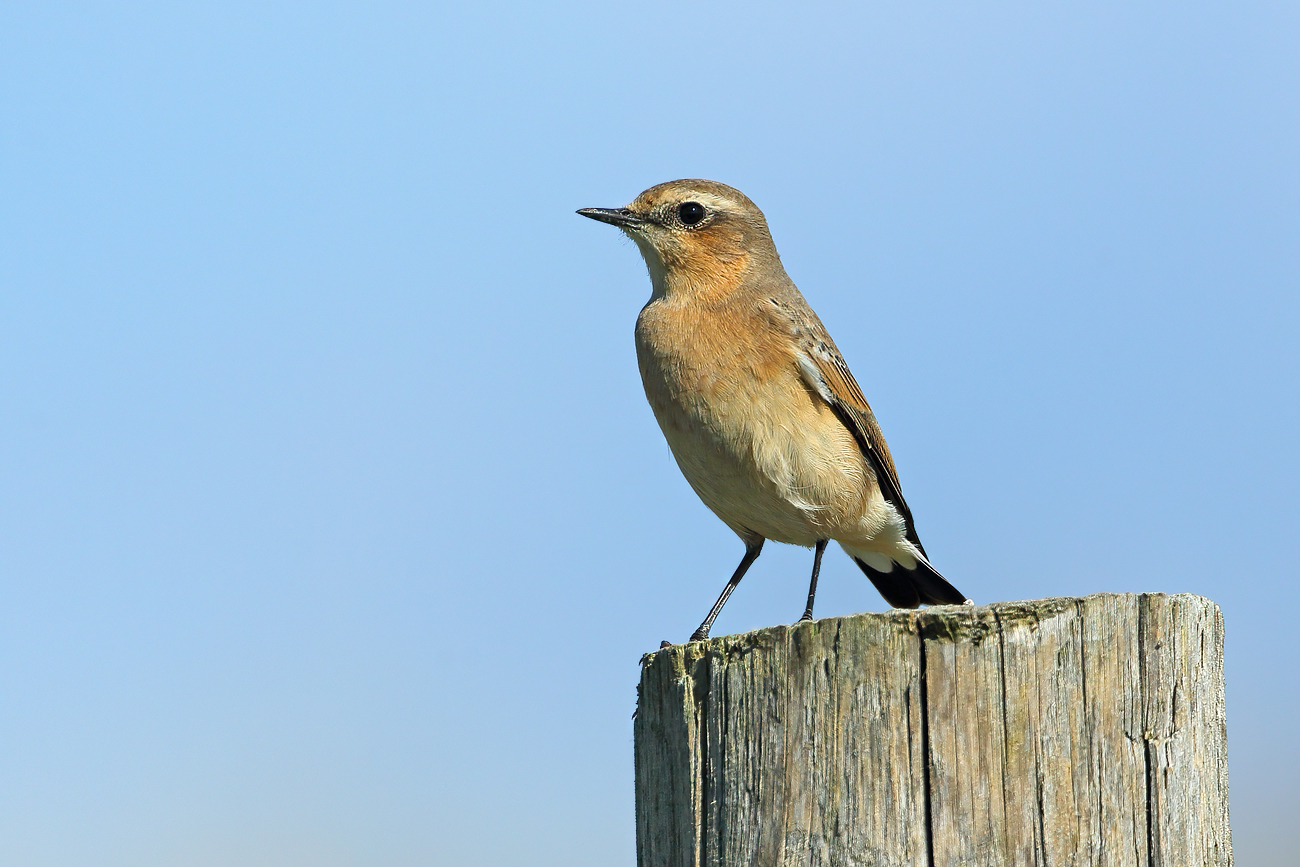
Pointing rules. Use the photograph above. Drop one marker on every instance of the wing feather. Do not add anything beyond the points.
(825, 371)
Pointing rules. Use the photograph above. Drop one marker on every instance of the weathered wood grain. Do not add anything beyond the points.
(1058, 732)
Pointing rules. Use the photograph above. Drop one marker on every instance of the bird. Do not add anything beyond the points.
(756, 402)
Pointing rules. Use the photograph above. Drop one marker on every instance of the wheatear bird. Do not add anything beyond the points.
(756, 402)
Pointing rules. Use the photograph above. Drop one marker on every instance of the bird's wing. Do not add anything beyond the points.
(824, 370)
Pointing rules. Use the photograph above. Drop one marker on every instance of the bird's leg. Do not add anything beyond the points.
(751, 554)
(812, 587)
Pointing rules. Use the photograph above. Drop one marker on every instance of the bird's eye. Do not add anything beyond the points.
(690, 213)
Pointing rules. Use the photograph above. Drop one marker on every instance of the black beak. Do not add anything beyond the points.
(614, 216)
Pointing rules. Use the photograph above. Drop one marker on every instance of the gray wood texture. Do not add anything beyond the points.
(1055, 732)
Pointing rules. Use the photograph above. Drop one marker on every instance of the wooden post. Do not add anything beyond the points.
(1057, 732)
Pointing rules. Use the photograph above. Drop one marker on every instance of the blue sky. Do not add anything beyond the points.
(333, 522)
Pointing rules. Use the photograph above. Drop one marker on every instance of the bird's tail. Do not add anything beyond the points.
(908, 588)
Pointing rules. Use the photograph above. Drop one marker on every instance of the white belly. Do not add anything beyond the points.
(770, 459)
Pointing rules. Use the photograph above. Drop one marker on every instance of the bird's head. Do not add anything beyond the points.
(696, 236)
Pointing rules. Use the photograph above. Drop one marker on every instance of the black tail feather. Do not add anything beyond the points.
(908, 588)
